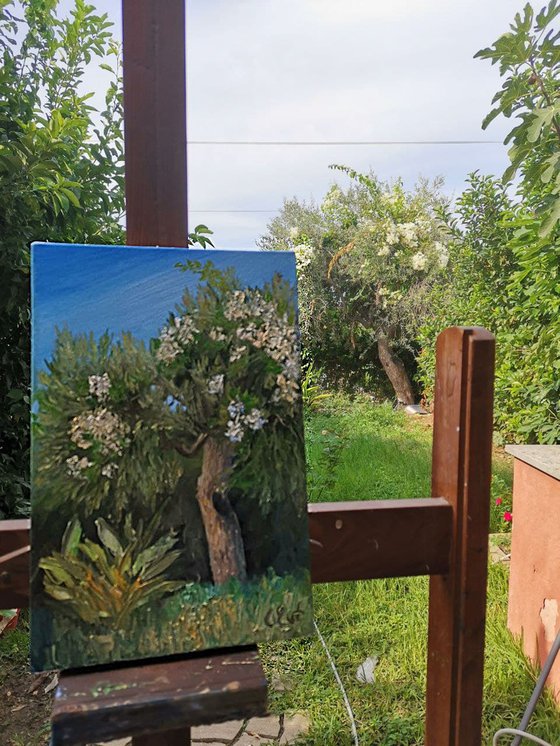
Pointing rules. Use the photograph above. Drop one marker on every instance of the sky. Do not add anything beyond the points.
(119, 289)
(330, 70)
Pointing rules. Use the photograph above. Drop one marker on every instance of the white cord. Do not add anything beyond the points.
(342, 689)
(515, 732)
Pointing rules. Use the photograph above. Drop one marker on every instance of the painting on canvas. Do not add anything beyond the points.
(168, 500)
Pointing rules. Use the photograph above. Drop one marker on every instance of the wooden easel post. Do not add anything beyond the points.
(461, 473)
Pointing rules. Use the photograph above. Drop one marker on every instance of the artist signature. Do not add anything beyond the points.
(279, 617)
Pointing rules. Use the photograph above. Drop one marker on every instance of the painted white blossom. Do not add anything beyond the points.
(75, 466)
(235, 409)
(419, 261)
(217, 334)
(237, 353)
(109, 470)
(234, 429)
(99, 386)
(294, 232)
(216, 384)
(236, 307)
(255, 420)
(384, 251)
(175, 337)
(102, 427)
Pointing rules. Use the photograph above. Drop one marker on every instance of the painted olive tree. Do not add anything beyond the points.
(366, 257)
(120, 423)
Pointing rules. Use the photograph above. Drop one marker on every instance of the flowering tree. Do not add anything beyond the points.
(120, 423)
(366, 258)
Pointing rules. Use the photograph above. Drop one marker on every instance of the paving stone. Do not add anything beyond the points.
(220, 731)
(268, 727)
(294, 726)
(254, 740)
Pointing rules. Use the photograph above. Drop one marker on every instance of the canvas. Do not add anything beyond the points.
(168, 471)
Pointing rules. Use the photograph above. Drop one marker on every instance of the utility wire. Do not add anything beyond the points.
(340, 685)
(344, 142)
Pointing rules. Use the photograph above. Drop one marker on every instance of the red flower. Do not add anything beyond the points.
(508, 516)
(499, 501)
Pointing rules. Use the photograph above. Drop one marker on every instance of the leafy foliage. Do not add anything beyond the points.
(61, 179)
(103, 584)
(529, 59)
(504, 270)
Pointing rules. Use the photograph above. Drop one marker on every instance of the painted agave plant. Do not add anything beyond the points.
(105, 583)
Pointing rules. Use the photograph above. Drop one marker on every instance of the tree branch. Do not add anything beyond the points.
(190, 450)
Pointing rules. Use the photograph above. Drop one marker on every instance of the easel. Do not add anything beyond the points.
(445, 536)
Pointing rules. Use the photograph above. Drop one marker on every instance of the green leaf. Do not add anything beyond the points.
(108, 537)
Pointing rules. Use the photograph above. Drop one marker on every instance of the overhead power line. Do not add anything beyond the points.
(275, 209)
(344, 142)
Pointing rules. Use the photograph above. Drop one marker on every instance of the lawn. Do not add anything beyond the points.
(360, 450)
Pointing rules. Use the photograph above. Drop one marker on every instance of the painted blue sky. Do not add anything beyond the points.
(123, 288)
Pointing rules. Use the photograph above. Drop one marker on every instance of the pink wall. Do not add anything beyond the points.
(534, 586)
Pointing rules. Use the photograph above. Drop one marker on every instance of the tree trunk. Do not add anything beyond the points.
(225, 543)
(395, 370)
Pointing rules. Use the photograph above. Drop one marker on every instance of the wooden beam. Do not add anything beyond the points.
(155, 128)
(136, 700)
(349, 541)
(461, 472)
(14, 564)
(379, 539)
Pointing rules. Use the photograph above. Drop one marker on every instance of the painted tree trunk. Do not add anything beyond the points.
(395, 370)
(225, 543)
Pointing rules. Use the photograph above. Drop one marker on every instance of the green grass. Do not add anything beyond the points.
(358, 450)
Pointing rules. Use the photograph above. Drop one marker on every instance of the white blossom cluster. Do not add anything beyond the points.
(102, 426)
(304, 255)
(274, 336)
(405, 233)
(99, 386)
(217, 334)
(75, 466)
(442, 253)
(419, 261)
(239, 421)
(216, 384)
(175, 337)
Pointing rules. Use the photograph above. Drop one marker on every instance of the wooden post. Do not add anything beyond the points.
(461, 472)
(155, 128)
(155, 133)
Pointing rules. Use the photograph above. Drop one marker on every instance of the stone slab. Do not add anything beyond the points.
(543, 458)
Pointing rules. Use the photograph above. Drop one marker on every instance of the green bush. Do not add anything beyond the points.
(504, 269)
(61, 179)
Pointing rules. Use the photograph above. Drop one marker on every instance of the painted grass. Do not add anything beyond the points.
(196, 617)
(358, 450)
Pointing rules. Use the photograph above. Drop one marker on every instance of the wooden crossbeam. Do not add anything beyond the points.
(349, 541)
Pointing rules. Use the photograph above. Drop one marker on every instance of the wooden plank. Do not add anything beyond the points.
(349, 541)
(379, 539)
(461, 464)
(14, 564)
(155, 122)
(100, 705)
